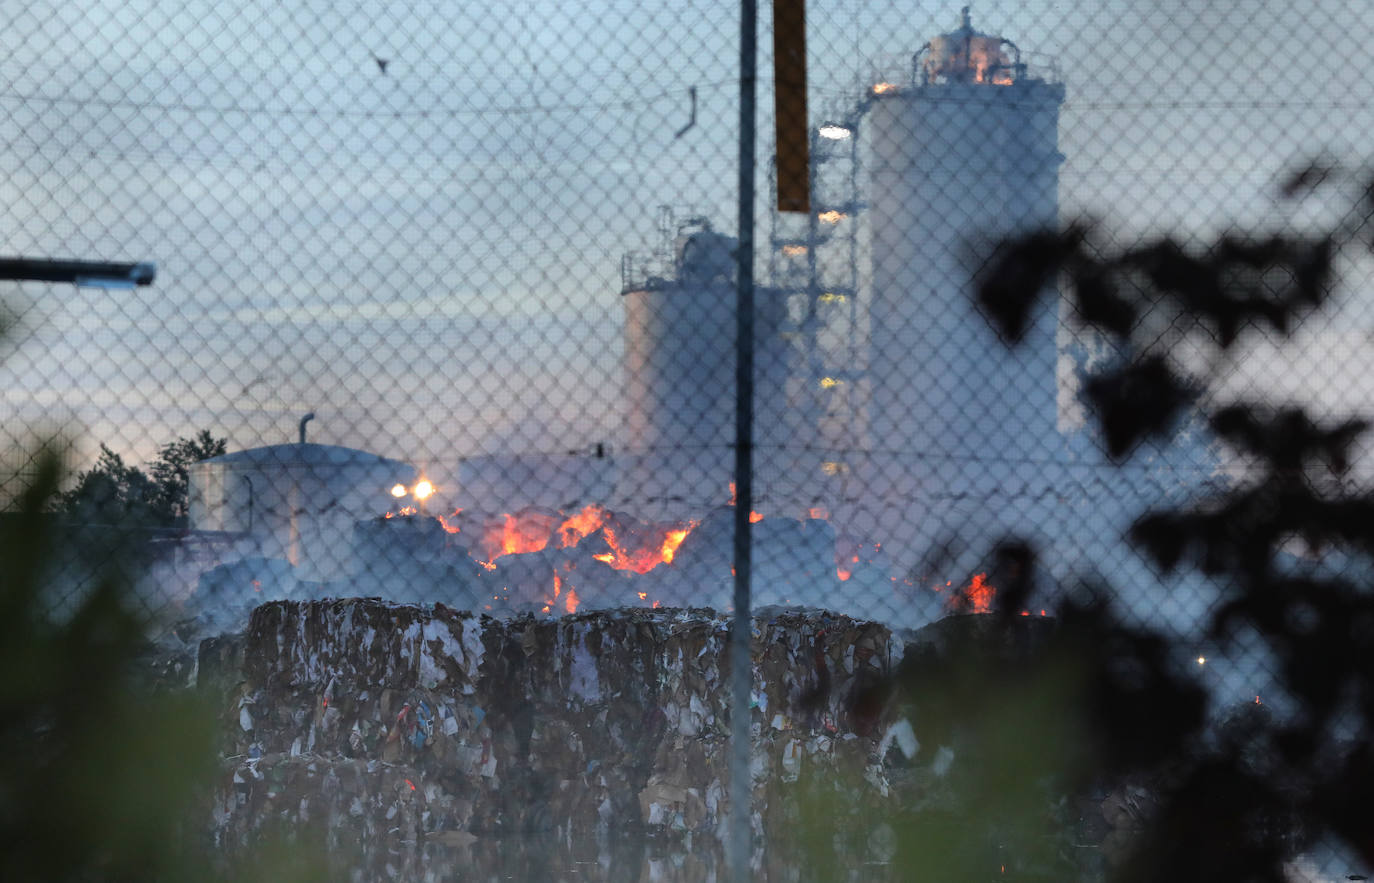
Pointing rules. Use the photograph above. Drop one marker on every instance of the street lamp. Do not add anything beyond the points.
(101, 273)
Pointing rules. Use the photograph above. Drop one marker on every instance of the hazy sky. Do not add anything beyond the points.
(429, 258)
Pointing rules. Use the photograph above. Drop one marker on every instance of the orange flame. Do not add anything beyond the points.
(570, 603)
(447, 525)
(583, 524)
(672, 540)
(644, 550)
(975, 598)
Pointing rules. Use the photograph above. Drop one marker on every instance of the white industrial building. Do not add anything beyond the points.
(297, 502)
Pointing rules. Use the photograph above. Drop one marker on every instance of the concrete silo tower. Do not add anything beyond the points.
(963, 154)
(680, 322)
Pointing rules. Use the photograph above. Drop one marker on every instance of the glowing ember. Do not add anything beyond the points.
(884, 88)
(643, 595)
(832, 216)
(980, 594)
(755, 517)
(974, 598)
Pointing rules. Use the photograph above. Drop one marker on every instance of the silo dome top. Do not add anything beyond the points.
(967, 56)
(308, 456)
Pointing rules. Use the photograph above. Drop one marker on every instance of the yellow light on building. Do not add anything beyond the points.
(398, 491)
(423, 489)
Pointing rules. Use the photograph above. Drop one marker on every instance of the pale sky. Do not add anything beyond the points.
(429, 258)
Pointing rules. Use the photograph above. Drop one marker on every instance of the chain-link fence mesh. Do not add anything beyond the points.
(446, 295)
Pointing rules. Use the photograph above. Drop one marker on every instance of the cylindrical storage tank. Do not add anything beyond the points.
(680, 374)
(296, 502)
(957, 164)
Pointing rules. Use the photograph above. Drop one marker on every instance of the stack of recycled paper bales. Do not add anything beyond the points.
(397, 734)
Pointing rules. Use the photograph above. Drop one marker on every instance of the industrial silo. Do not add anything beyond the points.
(297, 502)
(963, 152)
(680, 332)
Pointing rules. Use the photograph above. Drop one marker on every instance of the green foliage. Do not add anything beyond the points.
(101, 777)
(98, 781)
(115, 493)
(169, 470)
(1092, 723)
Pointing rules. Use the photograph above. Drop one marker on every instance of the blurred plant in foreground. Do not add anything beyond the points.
(102, 776)
(1032, 731)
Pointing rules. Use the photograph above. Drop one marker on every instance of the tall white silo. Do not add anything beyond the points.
(963, 154)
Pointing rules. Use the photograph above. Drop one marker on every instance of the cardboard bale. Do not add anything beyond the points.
(596, 724)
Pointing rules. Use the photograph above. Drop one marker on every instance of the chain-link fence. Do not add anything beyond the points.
(444, 306)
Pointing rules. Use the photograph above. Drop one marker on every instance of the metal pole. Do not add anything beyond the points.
(78, 272)
(740, 845)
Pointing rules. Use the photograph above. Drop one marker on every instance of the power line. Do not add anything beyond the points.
(623, 103)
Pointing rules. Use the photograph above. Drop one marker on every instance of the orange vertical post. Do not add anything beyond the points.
(789, 111)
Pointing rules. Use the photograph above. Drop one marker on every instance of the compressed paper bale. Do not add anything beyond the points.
(360, 641)
(368, 819)
(582, 724)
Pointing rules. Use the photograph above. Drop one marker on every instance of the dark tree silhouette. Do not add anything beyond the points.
(1081, 730)
(113, 492)
(1226, 801)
